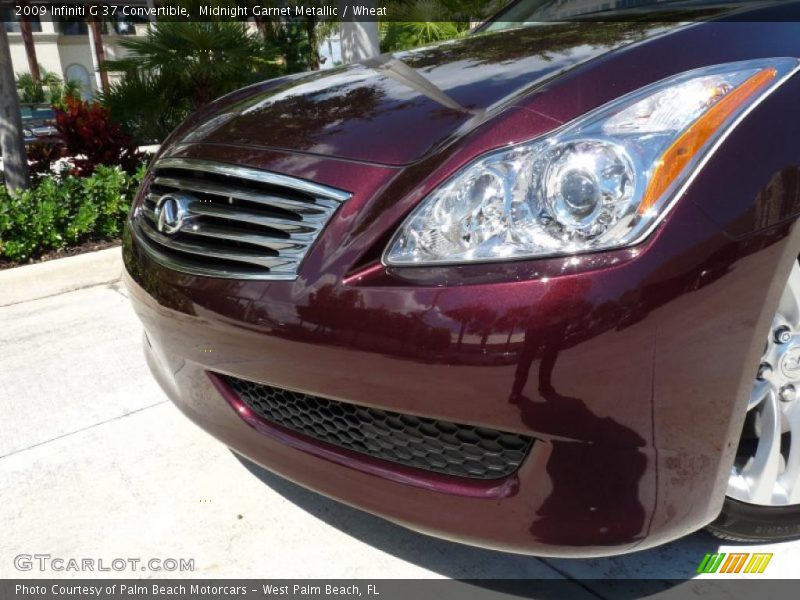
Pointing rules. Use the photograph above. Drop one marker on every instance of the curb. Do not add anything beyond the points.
(40, 280)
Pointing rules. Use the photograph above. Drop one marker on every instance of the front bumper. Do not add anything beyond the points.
(630, 370)
(520, 513)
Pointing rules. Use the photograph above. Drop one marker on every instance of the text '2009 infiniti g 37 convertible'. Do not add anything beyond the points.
(535, 289)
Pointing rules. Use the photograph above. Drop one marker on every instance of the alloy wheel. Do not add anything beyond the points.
(767, 466)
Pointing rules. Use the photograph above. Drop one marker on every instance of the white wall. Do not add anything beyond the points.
(57, 52)
(46, 52)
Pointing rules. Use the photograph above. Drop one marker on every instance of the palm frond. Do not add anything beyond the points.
(179, 66)
(420, 23)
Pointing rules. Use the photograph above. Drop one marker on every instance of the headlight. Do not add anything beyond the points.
(603, 181)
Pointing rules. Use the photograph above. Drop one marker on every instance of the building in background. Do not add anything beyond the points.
(66, 47)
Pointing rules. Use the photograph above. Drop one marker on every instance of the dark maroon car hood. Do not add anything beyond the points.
(396, 109)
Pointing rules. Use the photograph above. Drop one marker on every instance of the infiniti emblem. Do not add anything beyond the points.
(171, 212)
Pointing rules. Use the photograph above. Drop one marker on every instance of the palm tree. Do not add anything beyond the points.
(26, 31)
(482, 323)
(463, 316)
(313, 44)
(180, 66)
(316, 32)
(99, 51)
(12, 144)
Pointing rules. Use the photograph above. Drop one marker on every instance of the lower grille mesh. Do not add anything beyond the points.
(429, 444)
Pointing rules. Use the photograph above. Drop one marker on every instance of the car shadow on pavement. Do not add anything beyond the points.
(664, 566)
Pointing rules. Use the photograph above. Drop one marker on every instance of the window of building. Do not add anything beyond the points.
(11, 21)
(72, 26)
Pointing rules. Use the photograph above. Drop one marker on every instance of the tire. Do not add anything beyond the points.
(750, 523)
(762, 503)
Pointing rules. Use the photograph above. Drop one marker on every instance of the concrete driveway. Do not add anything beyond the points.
(96, 463)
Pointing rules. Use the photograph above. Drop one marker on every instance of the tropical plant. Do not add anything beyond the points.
(420, 23)
(29, 91)
(291, 39)
(91, 138)
(298, 39)
(42, 157)
(178, 67)
(59, 94)
(51, 88)
(473, 10)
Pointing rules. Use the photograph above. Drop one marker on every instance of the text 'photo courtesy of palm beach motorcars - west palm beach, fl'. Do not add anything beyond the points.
(534, 289)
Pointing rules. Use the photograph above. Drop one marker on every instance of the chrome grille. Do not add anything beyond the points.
(233, 221)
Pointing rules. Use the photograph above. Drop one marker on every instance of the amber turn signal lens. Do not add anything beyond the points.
(681, 152)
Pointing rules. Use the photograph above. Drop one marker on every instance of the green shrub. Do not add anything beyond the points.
(178, 67)
(50, 89)
(423, 22)
(403, 35)
(63, 212)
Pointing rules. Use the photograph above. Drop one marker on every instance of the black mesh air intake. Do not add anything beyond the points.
(429, 444)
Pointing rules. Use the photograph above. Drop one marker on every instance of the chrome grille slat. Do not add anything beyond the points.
(262, 199)
(285, 246)
(235, 222)
(267, 238)
(189, 264)
(313, 189)
(200, 250)
(246, 216)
